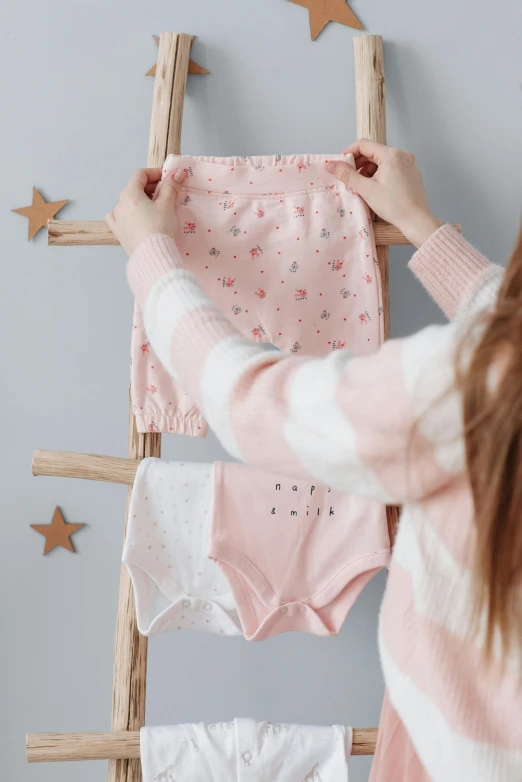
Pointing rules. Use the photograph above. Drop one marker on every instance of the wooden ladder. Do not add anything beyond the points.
(121, 745)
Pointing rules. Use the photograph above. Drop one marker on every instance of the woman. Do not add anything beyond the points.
(432, 422)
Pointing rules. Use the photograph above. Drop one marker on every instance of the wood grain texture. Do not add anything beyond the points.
(370, 104)
(63, 747)
(79, 233)
(169, 97)
(162, 99)
(60, 747)
(130, 649)
(370, 93)
(178, 96)
(70, 233)
(86, 466)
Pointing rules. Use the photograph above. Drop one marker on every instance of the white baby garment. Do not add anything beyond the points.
(176, 586)
(245, 751)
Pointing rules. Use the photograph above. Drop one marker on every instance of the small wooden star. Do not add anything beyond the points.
(193, 67)
(324, 11)
(39, 212)
(58, 532)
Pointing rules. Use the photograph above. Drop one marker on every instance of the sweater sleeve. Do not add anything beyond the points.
(453, 272)
(367, 425)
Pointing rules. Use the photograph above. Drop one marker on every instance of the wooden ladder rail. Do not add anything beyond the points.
(121, 745)
(130, 648)
(370, 110)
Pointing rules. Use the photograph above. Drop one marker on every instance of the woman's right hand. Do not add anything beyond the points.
(391, 184)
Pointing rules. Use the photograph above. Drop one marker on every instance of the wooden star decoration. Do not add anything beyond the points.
(58, 532)
(193, 67)
(39, 212)
(324, 11)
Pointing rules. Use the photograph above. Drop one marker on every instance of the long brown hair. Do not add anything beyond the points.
(493, 437)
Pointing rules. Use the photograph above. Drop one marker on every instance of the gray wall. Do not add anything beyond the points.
(75, 120)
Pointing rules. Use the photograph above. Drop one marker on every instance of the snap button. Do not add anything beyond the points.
(283, 610)
(208, 606)
(186, 603)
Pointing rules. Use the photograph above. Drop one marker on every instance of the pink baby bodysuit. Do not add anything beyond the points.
(286, 251)
(296, 556)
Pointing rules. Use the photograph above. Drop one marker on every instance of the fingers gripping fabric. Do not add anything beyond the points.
(285, 250)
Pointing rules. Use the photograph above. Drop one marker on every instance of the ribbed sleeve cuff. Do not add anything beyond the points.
(449, 268)
(154, 257)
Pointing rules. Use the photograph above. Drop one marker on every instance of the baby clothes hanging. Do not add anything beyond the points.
(246, 751)
(296, 556)
(286, 251)
(291, 556)
(176, 586)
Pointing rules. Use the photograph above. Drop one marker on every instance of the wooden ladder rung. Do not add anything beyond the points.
(87, 466)
(125, 745)
(75, 233)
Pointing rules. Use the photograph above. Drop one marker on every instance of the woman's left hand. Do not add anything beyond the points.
(145, 208)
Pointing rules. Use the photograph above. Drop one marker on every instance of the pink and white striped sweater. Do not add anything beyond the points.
(380, 426)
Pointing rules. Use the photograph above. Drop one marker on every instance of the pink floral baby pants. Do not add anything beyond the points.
(286, 251)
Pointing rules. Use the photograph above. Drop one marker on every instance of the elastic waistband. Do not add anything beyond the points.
(256, 176)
